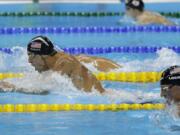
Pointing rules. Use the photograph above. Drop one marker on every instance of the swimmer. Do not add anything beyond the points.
(135, 9)
(170, 86)
(43, 57)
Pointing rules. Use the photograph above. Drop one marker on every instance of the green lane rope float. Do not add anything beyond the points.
(171, 14)
(45, 13)
(24, 108)
(82, 14)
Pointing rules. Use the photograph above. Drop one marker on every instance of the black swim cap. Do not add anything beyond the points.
(135, 4)
(171, 76)
(41, 45)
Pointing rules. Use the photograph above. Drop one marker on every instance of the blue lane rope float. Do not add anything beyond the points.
(25, 108)
(122, 49)
(6, 50)
(103, 50)
(69, 30)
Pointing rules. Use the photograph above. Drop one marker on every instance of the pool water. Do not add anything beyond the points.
(62, 90)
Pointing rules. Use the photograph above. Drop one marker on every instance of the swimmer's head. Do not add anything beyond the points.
(40, 49)
(135, 4)
(41, 45)
(170, 84)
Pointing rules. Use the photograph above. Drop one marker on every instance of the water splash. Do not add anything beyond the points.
(168, 119)
(165, 58)
(126, 20)
(62, 85)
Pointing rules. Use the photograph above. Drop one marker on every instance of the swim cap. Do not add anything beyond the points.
(135, 4)
(171, 76)
(41, 45)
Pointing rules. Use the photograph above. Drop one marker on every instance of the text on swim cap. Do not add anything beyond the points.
(174, 77)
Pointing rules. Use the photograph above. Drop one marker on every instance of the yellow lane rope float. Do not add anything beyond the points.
(7, 108)
(10, 75)
(141, 77)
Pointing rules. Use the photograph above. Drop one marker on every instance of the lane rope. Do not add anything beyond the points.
(46, 13)
(80, 14)
(134, 77)
(104, 50)
(118, 49)
(24, 108)
(6, 50)
(78, 30)
(10, 75)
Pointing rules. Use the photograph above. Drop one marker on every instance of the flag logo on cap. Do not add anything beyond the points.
(36, 45)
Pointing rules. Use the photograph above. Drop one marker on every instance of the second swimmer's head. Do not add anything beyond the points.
(135, 4)
(170, 84)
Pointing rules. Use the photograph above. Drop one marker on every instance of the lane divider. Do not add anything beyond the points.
(24, 108)
(10, 75)
(104, 50)
(134, 77)
(78, 30)
(80, 14)
(6, 50)
(119, 49)
(48, 13)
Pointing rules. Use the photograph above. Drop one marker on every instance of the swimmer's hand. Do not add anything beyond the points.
(7, 87)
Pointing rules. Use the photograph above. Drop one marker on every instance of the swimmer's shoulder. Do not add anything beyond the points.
(148, 15)
(61, 56)
(82, 56)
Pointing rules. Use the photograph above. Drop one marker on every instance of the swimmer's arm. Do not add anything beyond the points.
(80, 75)
(102, 64)
(7, 87)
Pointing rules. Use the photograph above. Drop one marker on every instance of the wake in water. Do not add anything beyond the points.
(168, 119)
(33, 82)
(126, 20)
(166, 58)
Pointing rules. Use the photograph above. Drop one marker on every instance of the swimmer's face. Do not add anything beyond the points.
(171, 93)
(38, 62)
(132, 12)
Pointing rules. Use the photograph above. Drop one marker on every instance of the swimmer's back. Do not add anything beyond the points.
(148, 17)
(102, 64)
